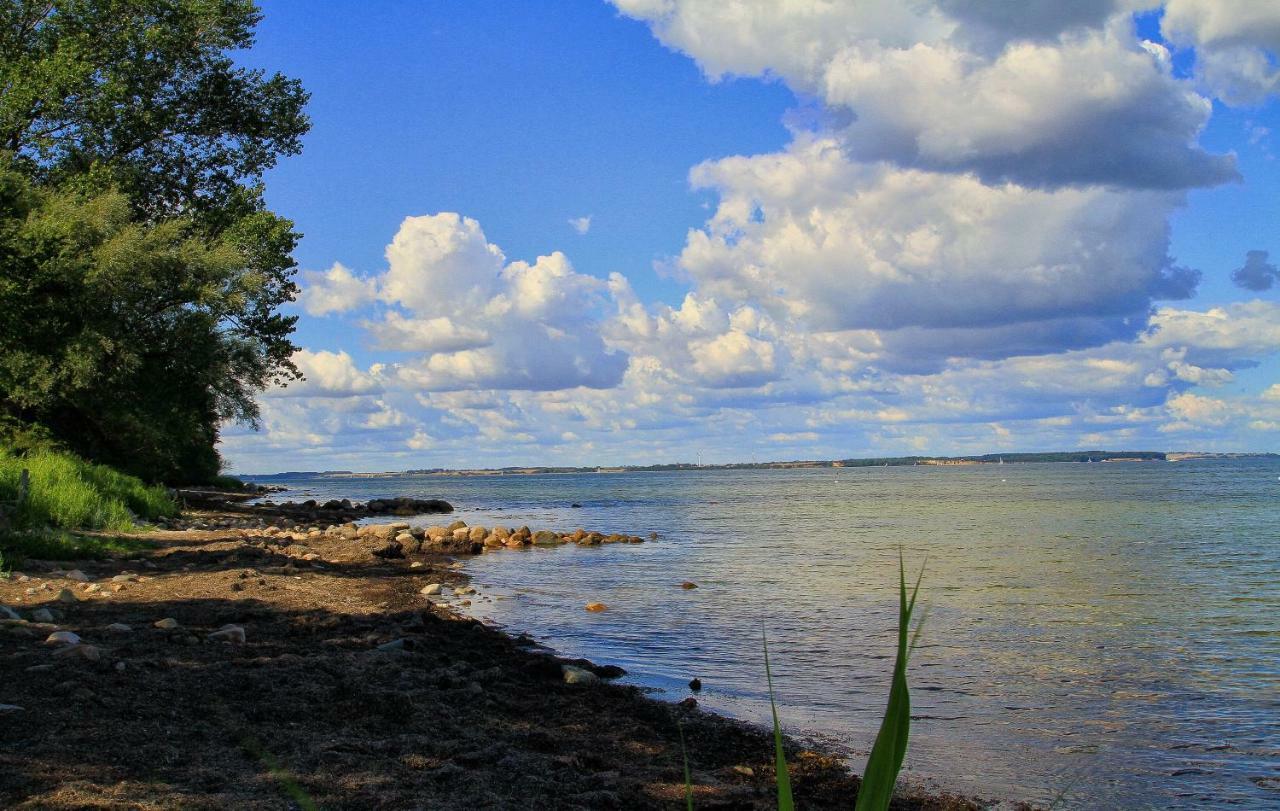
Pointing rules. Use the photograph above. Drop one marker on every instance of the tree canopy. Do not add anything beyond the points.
(142, 272)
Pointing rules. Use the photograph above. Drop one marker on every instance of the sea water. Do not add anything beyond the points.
(1105, 633)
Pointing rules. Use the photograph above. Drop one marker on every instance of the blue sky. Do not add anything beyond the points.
(819, 232)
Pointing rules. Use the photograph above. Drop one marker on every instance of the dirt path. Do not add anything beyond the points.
(350, 690)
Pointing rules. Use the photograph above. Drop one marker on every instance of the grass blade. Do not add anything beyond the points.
(890, 747)
(688, 782)
(785, 803)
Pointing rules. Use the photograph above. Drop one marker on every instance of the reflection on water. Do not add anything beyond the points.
(1112, 629)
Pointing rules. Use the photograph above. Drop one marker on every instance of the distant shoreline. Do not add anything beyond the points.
(1074, 457)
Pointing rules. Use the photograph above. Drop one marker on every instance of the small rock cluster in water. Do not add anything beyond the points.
(458, 537)
(394, 539)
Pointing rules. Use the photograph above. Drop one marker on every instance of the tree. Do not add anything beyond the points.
(142, 272)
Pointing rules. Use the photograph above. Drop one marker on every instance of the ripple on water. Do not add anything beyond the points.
(1107, 629)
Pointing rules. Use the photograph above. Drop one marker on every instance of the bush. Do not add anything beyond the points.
(225, 482)
(66, 492)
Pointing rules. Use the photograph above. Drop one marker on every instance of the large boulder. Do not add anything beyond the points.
(545, 537)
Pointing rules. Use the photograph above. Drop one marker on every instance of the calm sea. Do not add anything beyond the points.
(1108, 632)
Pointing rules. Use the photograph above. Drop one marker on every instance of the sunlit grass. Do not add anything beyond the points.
(890, 747)
(785, 802)
(66, 492)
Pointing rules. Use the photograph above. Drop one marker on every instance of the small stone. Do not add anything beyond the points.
(745, 771)
(93, 587)
(120, 667)
(8, 613)
(228, 633)
(166, 624)
(389, 550)
(66, 596)
(10, 708)
(578, 675)
(42, 615)
(596, 607)
(119, 628)
(417, 564)
(464, 590)
(393, 645)
(62, 638)
(89, 653)
(124, 578)
(688, 584)
(77, 575)
(434, 588)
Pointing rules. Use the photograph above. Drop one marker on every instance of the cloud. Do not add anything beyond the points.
(335, 290)
(810, 236)
(964, 246)
(481, 321)
(1043, 95)
(1236, 43)
(329, 374)
(734, 360)
(1257, 273)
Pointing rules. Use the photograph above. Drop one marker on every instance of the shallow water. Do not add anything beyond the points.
(1107, 630)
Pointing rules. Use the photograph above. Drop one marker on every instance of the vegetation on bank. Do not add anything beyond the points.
(141, 273)
(65, 492)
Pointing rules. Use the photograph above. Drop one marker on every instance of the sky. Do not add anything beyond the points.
(653, 231)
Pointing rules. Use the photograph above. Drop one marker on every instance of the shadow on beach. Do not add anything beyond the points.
(350, 691)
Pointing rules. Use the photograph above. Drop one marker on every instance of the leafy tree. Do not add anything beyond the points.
(141, 271)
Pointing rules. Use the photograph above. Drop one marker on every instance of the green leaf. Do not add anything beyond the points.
(890, 747)
(688, 781)
(785, 803)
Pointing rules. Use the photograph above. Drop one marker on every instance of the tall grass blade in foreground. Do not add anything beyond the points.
(688, 782)
(891, 742)
(785, 803)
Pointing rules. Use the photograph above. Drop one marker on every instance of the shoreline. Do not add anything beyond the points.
(359, 689)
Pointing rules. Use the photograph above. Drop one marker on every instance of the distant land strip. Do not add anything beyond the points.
(884, 461)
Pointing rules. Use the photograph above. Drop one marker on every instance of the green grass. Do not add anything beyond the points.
(891, 742)
(68, 493)
(688, 780)
(57, 544)
(890, 748)
(785, 802)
